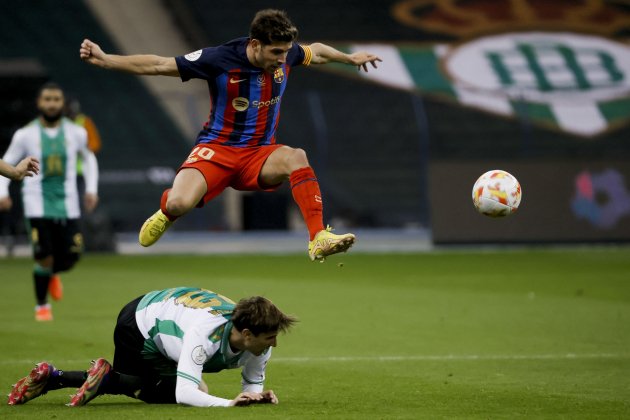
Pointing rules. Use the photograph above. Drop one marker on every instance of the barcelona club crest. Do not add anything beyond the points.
(278, 75)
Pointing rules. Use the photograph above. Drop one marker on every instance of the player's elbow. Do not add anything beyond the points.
(166, 66)
(316, 47)
(182, 395)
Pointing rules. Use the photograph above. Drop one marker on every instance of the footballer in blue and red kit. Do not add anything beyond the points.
(240, 133)
(237, 147)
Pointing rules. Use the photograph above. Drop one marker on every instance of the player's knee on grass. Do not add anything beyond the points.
(160, 391)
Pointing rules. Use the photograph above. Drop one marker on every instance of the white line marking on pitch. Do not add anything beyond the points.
(445, 357)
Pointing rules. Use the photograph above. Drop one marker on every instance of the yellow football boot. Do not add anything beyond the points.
(153, 228)
(326, 243)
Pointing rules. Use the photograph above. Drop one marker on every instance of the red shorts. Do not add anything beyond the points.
(228, 166)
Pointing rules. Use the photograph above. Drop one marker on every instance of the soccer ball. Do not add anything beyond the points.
(496, 194)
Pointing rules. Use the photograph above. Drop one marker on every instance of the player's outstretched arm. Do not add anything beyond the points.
(151, 65)
(323, 54)
(26, 167)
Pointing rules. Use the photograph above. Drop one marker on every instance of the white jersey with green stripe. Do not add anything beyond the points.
(53, 193)
(191, 327)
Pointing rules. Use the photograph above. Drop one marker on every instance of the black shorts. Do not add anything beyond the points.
(56, 237)
(128, 359)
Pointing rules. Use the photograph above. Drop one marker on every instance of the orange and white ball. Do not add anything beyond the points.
(496, 193)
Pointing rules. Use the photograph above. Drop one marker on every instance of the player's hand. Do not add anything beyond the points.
(91, 52)
(90, 202)
(269, 397)
(27, 167)
(246, 398)
(5, 203)
(362, 58)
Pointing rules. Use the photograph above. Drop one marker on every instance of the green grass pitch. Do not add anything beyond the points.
(459, 334)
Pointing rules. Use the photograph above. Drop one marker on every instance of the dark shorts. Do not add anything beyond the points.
(129, 359)
(56, 237)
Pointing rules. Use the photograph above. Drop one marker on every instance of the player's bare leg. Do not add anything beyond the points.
(188, 189)
(292, 164)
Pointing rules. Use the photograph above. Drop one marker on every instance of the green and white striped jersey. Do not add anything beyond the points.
(187, 333)
(53, 192)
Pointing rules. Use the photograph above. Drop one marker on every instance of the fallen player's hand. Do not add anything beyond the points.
(269, 397)
(246, 398)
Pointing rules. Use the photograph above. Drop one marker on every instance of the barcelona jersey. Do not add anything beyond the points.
(245, 99)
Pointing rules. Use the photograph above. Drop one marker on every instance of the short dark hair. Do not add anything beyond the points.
(271, 25)
(49, 86)
(260, 315)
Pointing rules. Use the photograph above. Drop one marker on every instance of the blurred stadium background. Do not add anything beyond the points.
(462, 90)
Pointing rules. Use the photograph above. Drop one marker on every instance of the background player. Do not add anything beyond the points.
(237, 146)
(164, 340)
(28, 166)
(51, 203)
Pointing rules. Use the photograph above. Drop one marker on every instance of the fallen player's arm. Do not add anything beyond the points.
(190, 393)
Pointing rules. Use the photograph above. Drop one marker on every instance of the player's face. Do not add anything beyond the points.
(50, 104)
(270, 57)
(258, 344)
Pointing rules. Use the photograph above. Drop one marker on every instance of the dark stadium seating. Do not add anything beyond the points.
(136, 132)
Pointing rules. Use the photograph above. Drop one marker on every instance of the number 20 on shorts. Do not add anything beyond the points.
(200, 152)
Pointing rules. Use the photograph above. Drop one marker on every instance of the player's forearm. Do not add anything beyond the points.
(7, 170)
(11, 158)
(323, 54)
(90, 172)
(189, 394)
(147, 64)
(4, 186)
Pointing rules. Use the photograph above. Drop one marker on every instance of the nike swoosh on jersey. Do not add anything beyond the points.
(237, 80)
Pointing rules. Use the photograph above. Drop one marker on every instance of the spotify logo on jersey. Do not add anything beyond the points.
(240, 103)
